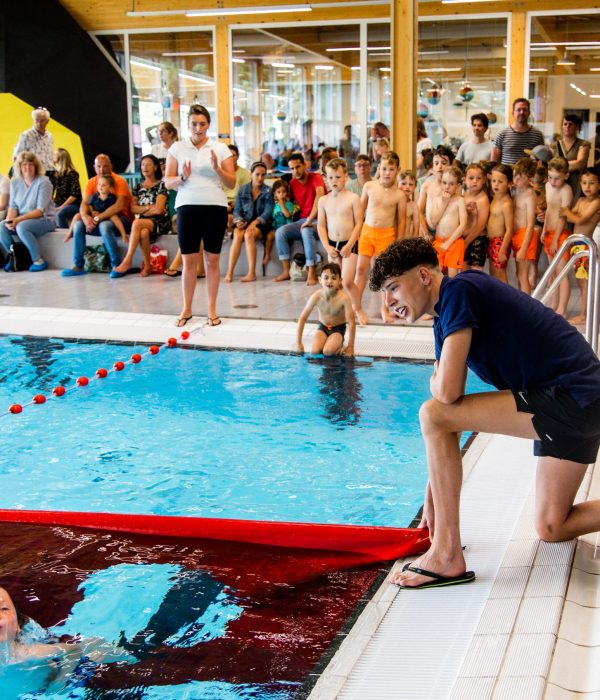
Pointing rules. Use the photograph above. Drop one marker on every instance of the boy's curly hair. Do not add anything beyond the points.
(400, 257)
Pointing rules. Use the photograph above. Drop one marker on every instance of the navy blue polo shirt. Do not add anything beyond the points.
(517, 342)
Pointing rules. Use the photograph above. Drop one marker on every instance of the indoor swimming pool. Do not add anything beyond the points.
(211, 434)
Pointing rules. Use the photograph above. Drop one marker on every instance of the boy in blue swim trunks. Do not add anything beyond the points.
(548, 381)
(335, 313)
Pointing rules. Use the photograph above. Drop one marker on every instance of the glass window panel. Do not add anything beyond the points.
(462, 71)
(169, 71)
(115, 46)
(564, 74)
(293, 89)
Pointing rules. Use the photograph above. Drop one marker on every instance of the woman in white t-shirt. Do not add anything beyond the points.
(198, 168)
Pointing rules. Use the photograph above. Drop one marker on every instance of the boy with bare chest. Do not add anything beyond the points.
(340, 218)
(559, 195)
(449, 217)
(524, 243)
(385, 220)
(432, 187)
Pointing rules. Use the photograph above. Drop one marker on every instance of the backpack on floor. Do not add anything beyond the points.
(96, 258)
(19, 258)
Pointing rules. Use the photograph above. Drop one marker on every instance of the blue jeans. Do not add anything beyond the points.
(287, 234)
(109, 234)
(64, 216)
(28, 232)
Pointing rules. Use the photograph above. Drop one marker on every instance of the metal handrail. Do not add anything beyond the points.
(593, 291)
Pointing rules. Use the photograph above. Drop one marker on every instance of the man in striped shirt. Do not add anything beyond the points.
(510, 143)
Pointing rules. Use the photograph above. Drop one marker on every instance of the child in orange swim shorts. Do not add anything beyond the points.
(500, 223)
(449, 216)
(385, 220)
(559, 195)
(524, 242)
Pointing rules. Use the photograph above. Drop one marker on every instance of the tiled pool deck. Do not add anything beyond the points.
(528, 628)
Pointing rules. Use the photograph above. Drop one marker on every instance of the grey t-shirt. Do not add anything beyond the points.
(471, 152)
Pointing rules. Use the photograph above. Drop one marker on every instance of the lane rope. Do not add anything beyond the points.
(103, 372)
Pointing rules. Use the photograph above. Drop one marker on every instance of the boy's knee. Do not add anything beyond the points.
(432, 413)
(550, 529)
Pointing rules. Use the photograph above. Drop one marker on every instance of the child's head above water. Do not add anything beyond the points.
(10, 620)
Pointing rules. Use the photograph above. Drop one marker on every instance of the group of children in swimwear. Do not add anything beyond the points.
(486, 213)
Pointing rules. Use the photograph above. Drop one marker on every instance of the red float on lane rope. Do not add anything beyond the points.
(172, 342)
(101, 372)
(153, 349)
(136, 357)
(119, 366)
(185, 335)
(16, 408)
(82, 381)
(59, 391)
(39, 398)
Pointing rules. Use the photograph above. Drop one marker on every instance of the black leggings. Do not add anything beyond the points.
(201, 223)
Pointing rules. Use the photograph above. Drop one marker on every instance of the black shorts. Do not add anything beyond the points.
(330, 330)
(201, 223)
(566, 430)
(338, 245)
(476, 252)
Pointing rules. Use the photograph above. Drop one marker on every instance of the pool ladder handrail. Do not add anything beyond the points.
(591, 252)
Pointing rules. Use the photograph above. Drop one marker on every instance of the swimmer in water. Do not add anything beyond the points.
(28, 667)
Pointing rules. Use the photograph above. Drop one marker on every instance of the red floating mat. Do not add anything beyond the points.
(367, 544)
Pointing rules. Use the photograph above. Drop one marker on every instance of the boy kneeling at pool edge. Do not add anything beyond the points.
(552, 398)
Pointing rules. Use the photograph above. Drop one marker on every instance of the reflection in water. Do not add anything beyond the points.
(39, 353)
(340, 390)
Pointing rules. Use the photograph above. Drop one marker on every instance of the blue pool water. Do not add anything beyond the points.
(213, 434)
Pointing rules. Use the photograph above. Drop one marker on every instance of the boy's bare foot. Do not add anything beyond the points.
(363, 317)
(282, 277)
(228, 278)
(577, 320)
(123, 267)
(311, 280)
(248, 278)
(145, 272)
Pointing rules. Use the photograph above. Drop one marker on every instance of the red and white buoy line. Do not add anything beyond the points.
(101, 373)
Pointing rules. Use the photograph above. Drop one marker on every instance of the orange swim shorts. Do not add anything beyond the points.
(517, 243)
(454, 257)
(374, 240)
(547, 238)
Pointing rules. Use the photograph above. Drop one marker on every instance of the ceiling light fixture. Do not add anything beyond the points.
(224, 11)
(438, 70)
(283, 65)
(565, 60)
(324, 67)
(186, 53)
(565, 43)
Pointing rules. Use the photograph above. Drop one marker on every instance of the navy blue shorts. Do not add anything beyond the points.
(566, 430)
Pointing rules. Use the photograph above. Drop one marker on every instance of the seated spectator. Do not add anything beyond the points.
(100, 224)
(30, 212)
(362, 169)
(252, 216)
(38, 141)
(149, 203)
(242, 177)
(67, 190)
(4, 192)
(167, 134)
(306, 190)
